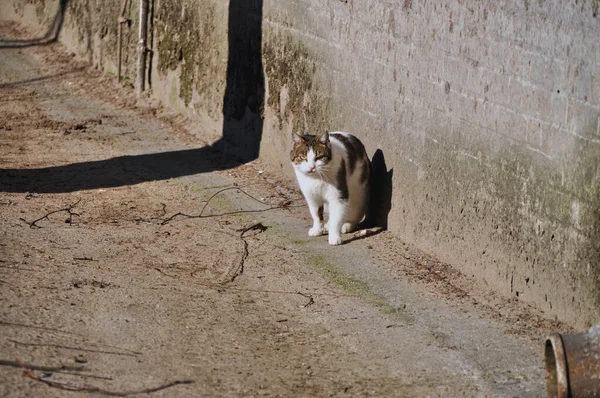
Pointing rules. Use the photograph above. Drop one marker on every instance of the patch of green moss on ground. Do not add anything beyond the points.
(335, 276)
(300, 241)
(356, 287)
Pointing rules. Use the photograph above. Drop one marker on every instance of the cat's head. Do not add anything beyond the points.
(310, 153)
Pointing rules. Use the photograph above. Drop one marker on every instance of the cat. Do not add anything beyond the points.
(333, 171)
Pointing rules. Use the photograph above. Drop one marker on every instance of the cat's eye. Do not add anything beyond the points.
(321, 157)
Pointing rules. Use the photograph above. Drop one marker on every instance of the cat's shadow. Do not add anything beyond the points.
(380, 200)
(380, 195)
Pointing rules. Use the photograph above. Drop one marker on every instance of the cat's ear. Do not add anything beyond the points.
(324, 138)
(297, 138)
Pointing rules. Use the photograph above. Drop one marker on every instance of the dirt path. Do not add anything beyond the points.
(108, 295)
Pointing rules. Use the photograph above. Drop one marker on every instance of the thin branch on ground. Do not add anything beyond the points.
(310, 298)
(163, 272)
(257, 226)
(33, 224)
(38, 327)
(83, 258)
(71, 348)
(238, 269)
(82, 125)
(63, 369)
(282, 205)
(19, 268)
(18, 364)
(27, 372)
(5, 323)
(219, 287)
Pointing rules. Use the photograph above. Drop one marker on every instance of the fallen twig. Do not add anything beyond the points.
(19, 364)
(69, 210)
(71, 348)
(311, 301)
(219, 287)
(83, 258)
(18, 268)
(163, 272)
(27, 372)
(257, 226)
(239, 268)
(83, 125)
(282, 205)
(63, 369)
(67, 333)
(38, 327)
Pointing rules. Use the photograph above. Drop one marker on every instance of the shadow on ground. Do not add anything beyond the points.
(239, 143)
(51, 35)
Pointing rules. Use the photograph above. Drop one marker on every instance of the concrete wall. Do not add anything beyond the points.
(487, 111)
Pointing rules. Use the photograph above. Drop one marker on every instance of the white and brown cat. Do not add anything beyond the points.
(333, 171)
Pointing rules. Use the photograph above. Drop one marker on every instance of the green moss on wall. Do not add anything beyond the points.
(189, 37)
(291, 68)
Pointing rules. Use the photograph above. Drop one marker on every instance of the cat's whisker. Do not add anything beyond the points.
(323, 176)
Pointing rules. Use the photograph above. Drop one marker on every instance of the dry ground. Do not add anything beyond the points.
(107, 295)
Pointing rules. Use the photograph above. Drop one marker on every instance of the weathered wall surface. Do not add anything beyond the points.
(488, 114)
(487, 111)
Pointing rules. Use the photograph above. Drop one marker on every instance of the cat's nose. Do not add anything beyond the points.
(311, 168)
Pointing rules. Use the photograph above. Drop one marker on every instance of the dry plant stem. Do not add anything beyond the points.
(311, 300)
(239, 268)
(38, 327)
(18, 364)
(71, 348)
(63, 369)
(282, 205)
(33, 224)
(5, 323)
(27, 372)
(67, 370)
(18, 268)
(241, 289)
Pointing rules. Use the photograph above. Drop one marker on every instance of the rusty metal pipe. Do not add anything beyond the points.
(573, 364)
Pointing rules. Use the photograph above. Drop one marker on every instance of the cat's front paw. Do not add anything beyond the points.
(335, 240)
(316, 231)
